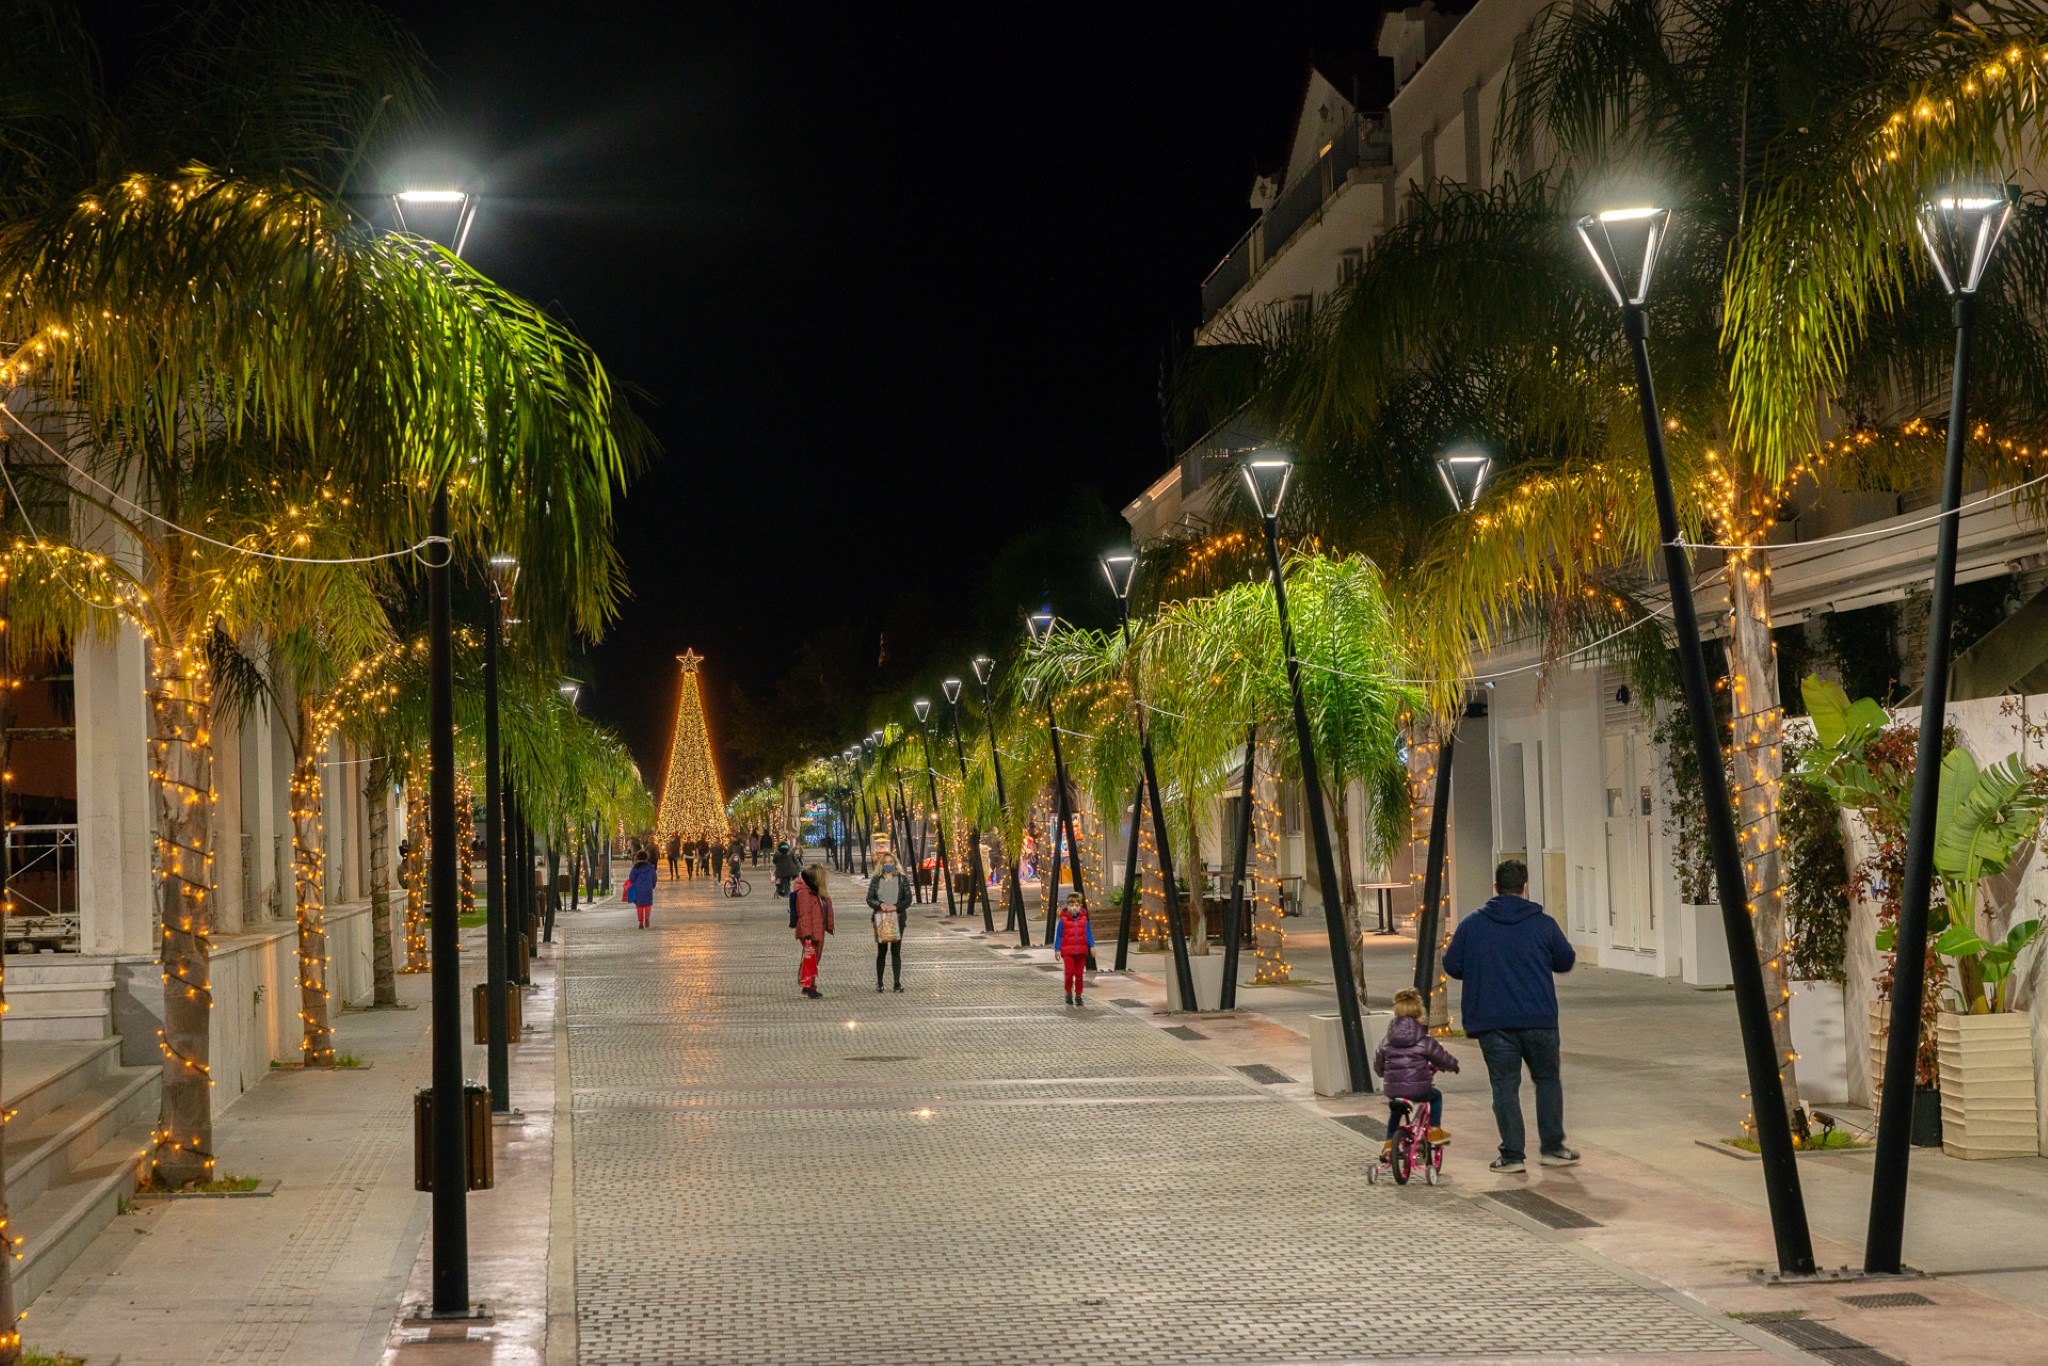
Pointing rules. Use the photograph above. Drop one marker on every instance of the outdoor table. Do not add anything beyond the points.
(1384, 892)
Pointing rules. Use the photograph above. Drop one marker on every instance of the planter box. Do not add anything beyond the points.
(1328, 1073)
(1987, 1085)
(1703, 947)
(1207, 970)
(1820, 1036)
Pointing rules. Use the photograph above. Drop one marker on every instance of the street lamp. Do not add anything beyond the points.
(943, 869)
(1267, 477)
(444, 215)
(502, 572)
(1624, 244)
(1464, 474)
(951, 688)
(1960, 228)
(1040, 625)
(450, 1274)
(1119, 570)
(984, 672)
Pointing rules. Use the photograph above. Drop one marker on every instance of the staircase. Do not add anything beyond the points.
(81, 1121)
(59, 996)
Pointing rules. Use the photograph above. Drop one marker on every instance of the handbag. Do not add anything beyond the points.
(887, 931)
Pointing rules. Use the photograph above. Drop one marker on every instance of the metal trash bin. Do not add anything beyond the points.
(476, 1109)
(480, 1011)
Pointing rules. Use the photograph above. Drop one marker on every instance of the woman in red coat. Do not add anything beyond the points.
(813, 923)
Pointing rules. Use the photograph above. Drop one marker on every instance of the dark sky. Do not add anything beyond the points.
(894, 280)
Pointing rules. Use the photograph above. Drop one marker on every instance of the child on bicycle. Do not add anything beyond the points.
(1408, 1060)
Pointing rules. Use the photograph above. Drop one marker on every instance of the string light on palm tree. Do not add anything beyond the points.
(984, 674)
(1624, 244)
(1040, 625)
(1267, 476)
(1960, 228)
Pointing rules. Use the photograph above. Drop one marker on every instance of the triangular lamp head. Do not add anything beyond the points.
(982, 666)
(1120, 569)
(1039, 624)
(923, 708)
(1030, 686)
(1464, 474)
(1267, 478)
(1960, 228)
(951, 688)
(1624, 244)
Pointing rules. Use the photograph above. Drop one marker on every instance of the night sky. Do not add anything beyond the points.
(893, 284)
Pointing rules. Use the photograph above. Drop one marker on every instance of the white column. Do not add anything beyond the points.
(227, 823)
(116, 880)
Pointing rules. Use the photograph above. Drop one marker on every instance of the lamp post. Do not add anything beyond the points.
(1464, 475)
(1624, 244)
(984, 673)
(450, 1275)
(943, 869)
(1120, 569)
(978, 874)
(1267, 478)
(1960, 228)
(503, 573)
(1040, 625)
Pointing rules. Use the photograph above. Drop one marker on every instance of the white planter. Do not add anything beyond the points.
(1703, 945)
(1328, 1072)
(1987, 1085)
(1207, 970)
(1820, 1036)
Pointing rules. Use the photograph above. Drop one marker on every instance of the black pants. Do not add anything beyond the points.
(890, 952)
(1505, 1050)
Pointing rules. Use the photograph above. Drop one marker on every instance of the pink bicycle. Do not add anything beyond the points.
(1410, 1149)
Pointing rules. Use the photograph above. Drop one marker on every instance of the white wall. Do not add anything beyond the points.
(256, 996)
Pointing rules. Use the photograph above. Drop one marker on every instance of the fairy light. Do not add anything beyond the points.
(417, 955)
(692, 801)
(1269, 937)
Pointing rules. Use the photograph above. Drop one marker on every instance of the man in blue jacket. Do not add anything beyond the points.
(1505, 953)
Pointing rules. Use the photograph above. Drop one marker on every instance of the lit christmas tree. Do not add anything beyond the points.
(692, 802)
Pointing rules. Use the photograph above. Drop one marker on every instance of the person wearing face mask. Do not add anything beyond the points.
(888, 903)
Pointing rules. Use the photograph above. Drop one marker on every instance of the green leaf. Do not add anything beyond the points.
(1887, 936)
(1828, 705)
(1960, 941)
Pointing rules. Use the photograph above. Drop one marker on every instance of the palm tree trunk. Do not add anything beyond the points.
(376, 791)
(180, 718)
(1759, 726)
(415, 871)
(1340, 811)
(1198, 886)
(309, 866)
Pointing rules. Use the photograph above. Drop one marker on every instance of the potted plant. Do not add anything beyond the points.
(1817, 934)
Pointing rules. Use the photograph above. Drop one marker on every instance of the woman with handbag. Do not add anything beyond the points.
(813, 923)
(888, 901)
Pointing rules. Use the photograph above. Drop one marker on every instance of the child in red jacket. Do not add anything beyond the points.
(1072, 939)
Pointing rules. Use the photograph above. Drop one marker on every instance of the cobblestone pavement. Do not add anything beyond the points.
(972, 1172)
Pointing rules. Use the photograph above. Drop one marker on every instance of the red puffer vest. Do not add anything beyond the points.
(1073, 932)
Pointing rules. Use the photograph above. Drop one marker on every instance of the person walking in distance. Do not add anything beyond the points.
(813, 923)
(888, 903)
(690, 860)
(640, 886)
(787, 866)
(1072, 939)
(735, 855)
(675, 857)
(717, 856)
(831, 849)
(1506, 953)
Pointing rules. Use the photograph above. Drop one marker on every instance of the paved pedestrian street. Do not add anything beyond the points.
(970, 1171)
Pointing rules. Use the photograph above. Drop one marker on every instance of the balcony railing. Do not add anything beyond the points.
(42, 887)
(1364, 140)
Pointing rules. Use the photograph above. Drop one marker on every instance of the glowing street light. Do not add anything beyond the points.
(1464, 474)
(1959, 227)
(453, 210)
(1624, 244)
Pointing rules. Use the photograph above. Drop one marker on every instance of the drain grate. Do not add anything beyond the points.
(1898, 1299)
(1823, 1341)
(1048, 967)
(1024, 956)
(1183, 1032)
(1372, 1126)
(1262, 1074)
(1541, 1208)
(881, 1057)
(1127, 1003)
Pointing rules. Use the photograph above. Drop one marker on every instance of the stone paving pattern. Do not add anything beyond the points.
(970, 1171)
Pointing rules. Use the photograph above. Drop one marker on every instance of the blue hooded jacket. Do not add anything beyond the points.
(640, 884)
(1505, 953)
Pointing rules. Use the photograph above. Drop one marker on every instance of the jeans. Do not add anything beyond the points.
(1505, 1051)
(889, 951)
(1436, 1111)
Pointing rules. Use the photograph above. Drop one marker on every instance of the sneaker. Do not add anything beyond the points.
(1386, 1149)
(813, 993)
(878, 988)
(1559, 1157)
(1077, 998)
(1067, 996)
(899, 986)
(1439, 1136)
(1506, 1165)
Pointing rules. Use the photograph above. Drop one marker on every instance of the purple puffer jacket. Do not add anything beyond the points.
(1408, 1059)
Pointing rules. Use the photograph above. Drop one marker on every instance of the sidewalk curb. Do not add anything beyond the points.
(561, 1337)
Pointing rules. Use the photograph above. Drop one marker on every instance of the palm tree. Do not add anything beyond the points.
(1790, 297)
